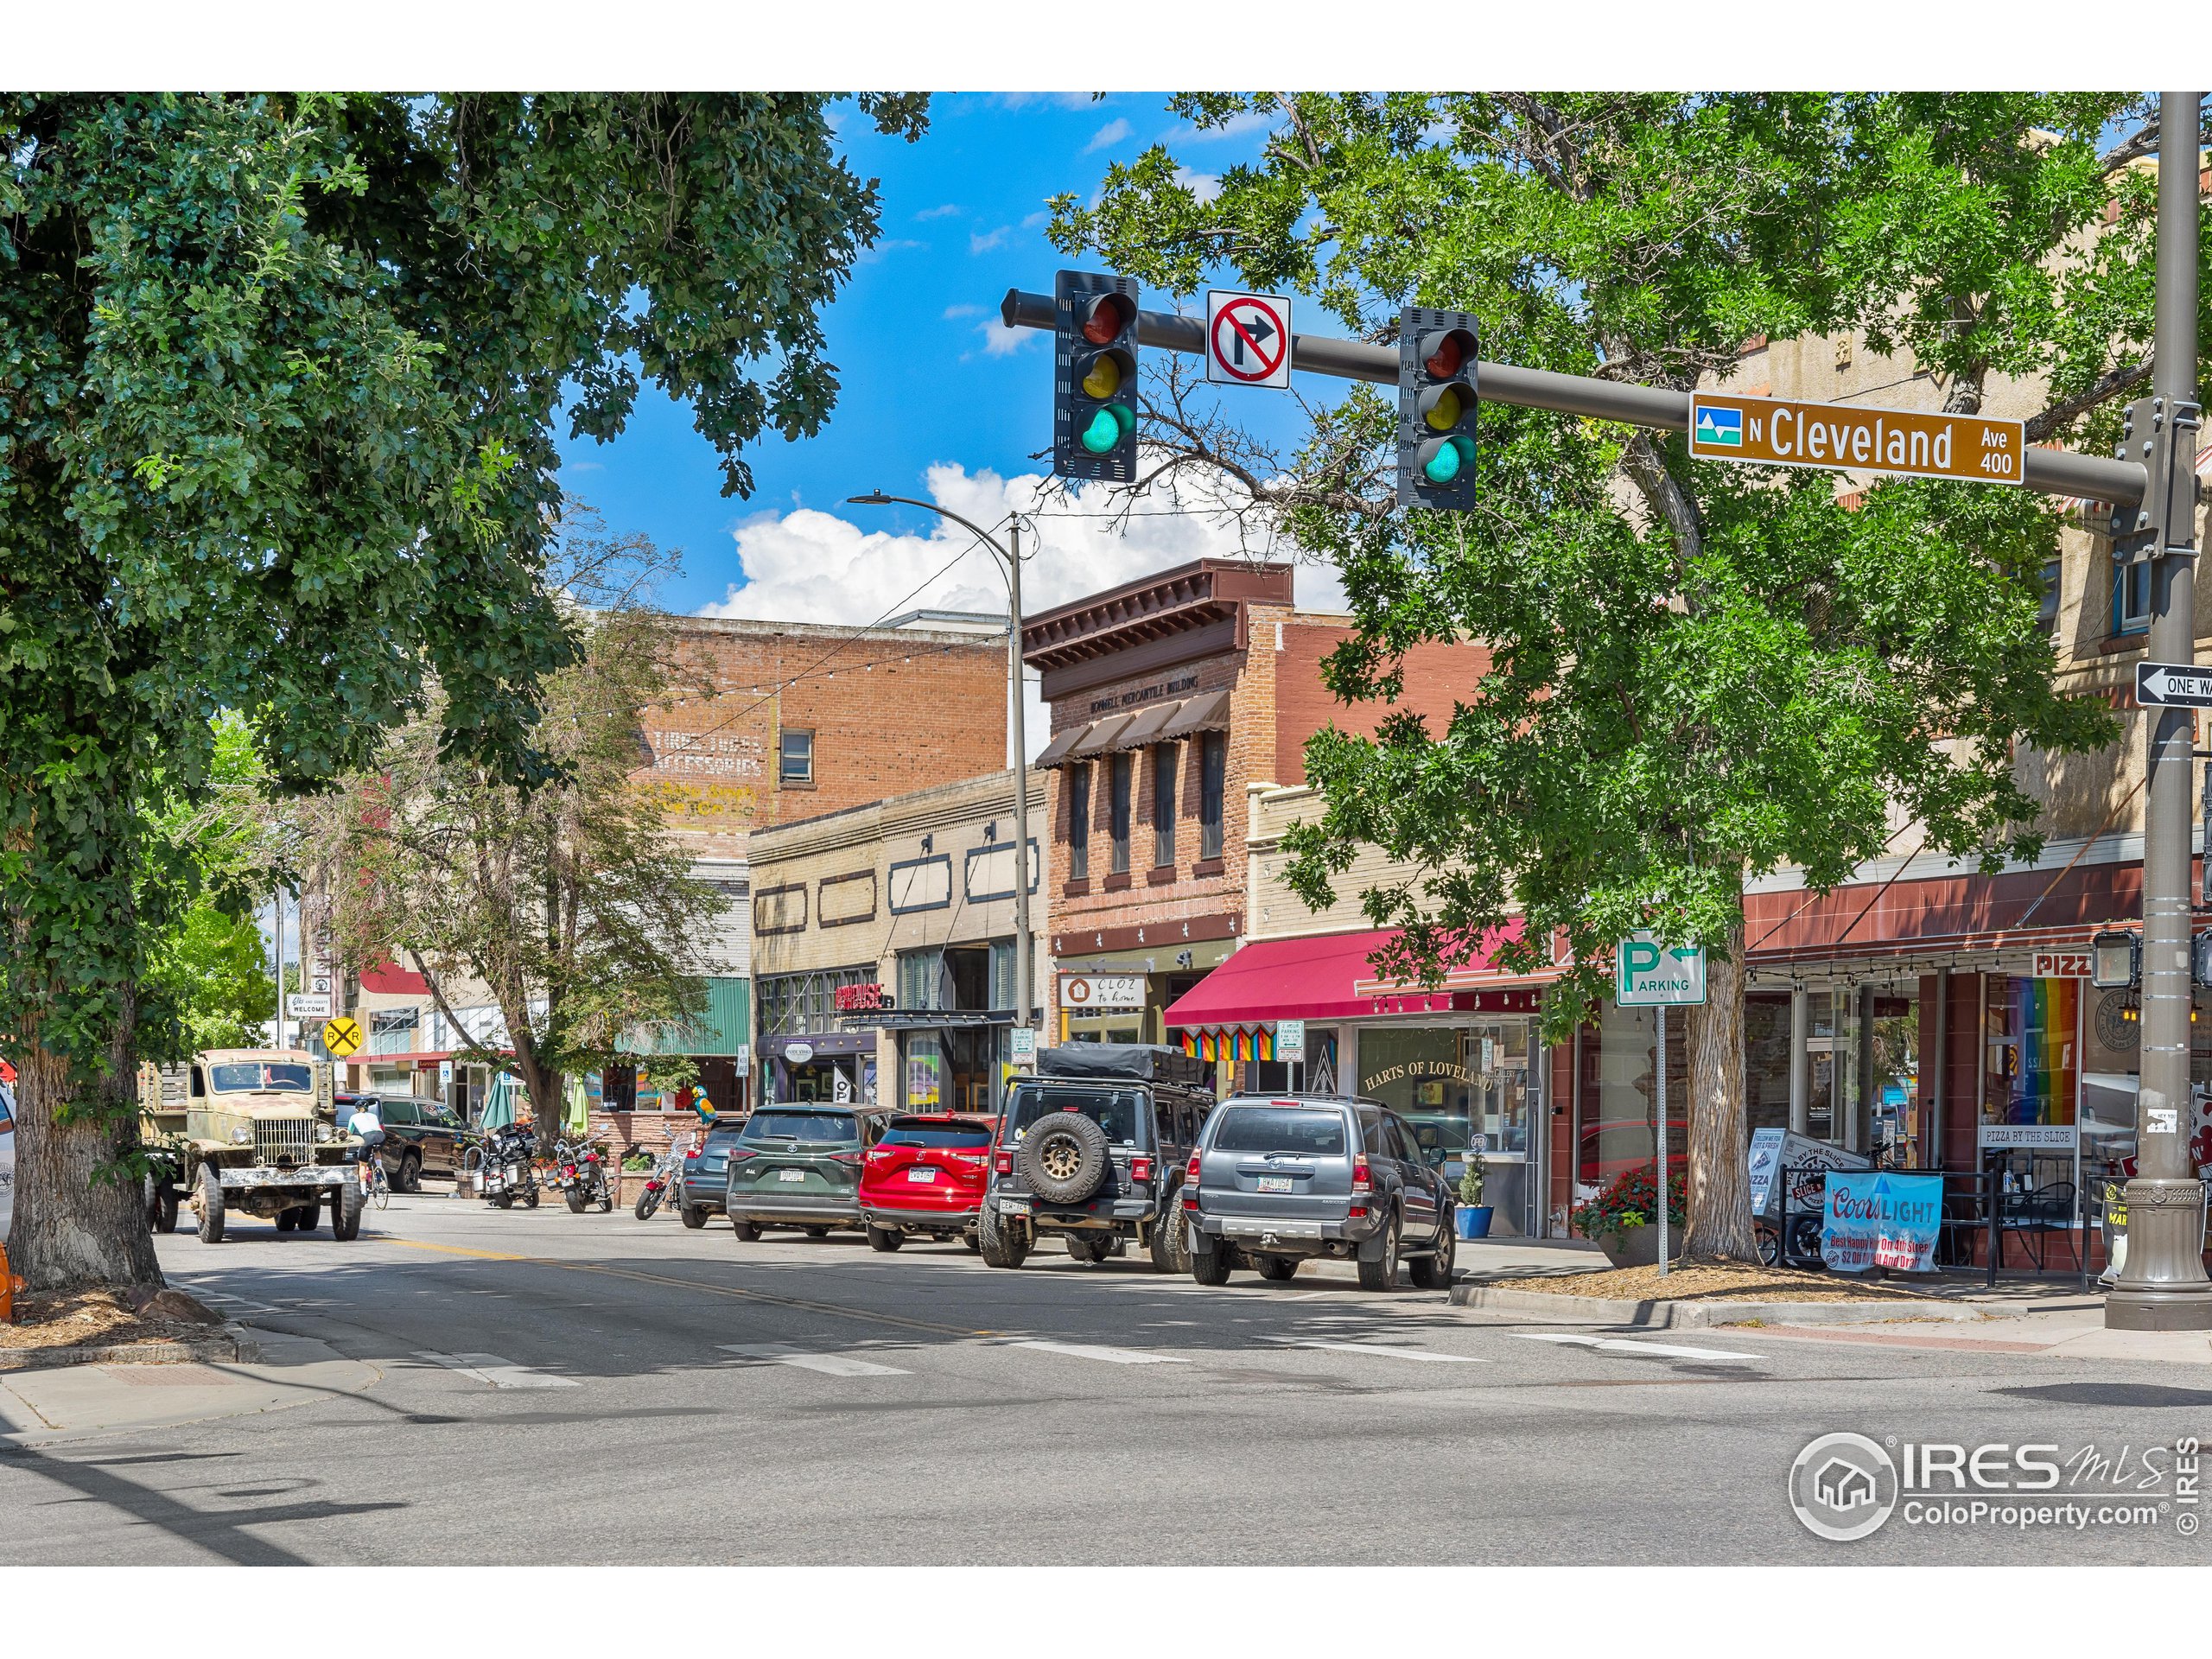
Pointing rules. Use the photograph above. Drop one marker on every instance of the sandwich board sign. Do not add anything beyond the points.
(1648, 974)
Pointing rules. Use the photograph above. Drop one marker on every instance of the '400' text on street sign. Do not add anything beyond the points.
(1647, 973)
(1770, 432)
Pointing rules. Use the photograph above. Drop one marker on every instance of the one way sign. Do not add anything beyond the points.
(2173, 684)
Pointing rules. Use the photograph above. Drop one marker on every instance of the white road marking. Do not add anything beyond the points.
(1617, 1345)
(1111, 1355)
(827, 1365)
(499, 1373)
(1394, 1353)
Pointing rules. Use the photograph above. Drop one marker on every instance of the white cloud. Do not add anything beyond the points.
(1112, 133)
(944, 210)
(1205, 186)
(954, 313)
(883, 249)
(999, 340)
(809, 566)
(984, 241)
(1237, 126)
(1036, 221)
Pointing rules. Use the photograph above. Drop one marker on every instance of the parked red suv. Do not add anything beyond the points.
(926, 1175)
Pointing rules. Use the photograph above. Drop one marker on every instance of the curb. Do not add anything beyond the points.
(1685, 1316)
(233, 1346)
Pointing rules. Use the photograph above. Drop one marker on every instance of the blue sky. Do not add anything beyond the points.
(963, 215)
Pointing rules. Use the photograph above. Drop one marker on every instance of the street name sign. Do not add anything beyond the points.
(1247, 339)
(2173, 685)
(1649, 974)
(1844, 438)
(342, 1036)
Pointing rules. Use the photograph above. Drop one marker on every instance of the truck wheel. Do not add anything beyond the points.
(346, 1215)
(287, 1219)
(308, 1216)
(1382, 1274)
(749, 1232)
(1278, 1268)
(693, 1216)
(1064, 1159)
(1000, 1246)
(1211, 1267)
(165, 1220)
(883, 1238)
(1434, 1272)
(211, 1205)
(410, 1174)
(1171, 1238)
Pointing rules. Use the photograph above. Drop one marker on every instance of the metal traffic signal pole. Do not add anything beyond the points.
(2162, 1286)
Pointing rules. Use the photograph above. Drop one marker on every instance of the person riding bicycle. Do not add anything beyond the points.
(367, 1127)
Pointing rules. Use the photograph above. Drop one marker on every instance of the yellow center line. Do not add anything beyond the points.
(836, 1309)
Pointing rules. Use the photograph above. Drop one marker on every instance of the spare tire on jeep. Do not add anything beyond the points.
(1064, 1158)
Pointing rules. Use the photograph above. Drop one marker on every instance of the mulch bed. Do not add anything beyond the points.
(94, 1319)
(1714, 1281)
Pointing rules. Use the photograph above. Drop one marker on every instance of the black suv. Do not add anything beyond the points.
(1092, 1148)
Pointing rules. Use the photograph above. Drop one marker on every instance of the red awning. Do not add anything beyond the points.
(1330, 977)
(389, 979)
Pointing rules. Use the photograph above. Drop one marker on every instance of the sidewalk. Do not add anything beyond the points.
(40, 1407)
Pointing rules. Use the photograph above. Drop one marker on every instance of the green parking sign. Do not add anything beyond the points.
(1648, 974)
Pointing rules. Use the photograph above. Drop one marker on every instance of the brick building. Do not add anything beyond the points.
(1171, 698)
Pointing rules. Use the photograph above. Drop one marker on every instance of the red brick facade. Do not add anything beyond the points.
(891, 710)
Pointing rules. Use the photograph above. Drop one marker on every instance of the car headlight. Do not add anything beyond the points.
(324, 1133)
(242, 1136)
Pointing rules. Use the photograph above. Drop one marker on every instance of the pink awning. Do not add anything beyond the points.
(1330, 977)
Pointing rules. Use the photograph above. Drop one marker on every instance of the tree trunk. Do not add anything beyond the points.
(70, 1230)
(1720, 1174)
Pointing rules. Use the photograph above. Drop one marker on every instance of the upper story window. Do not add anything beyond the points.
(1213, 784)
(794, 758)
(1120, 776)
(2131, 597)
(1164, 760)
(1079, 822)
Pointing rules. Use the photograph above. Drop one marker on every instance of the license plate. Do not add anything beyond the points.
(1013, 1207)
(924, 1176)
(1274, 1183)
(790, 1174)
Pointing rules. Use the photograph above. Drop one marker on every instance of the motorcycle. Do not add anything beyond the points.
(503, 1172)
(580, 1175)
(667, 1169)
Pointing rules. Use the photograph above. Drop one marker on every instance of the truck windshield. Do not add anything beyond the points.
(249, 1077)
(1281, 1129)
(1120, 1112)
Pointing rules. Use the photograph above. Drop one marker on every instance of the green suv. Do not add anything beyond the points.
(800, 1166)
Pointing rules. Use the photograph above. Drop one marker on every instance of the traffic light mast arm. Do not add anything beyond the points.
(2052, 472)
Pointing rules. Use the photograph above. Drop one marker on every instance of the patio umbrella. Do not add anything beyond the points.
(498, 1104)
(578, 1117)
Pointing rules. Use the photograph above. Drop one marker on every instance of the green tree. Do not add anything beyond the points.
(279, 378)
(214, 971)
(571, 901)
(1698, 673)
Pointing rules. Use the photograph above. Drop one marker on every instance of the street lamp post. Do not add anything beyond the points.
(1011, 555)
(2163, 1287)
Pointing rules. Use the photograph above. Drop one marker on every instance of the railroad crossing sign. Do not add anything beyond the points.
(2182, 684)
(1247, 339)
(1845, 438)
(342, 1036)
(1648, 974)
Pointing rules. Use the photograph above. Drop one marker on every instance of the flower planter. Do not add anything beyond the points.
(1638, 1247)
(1474, 1219)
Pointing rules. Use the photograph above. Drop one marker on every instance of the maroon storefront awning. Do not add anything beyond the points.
(1330, 977)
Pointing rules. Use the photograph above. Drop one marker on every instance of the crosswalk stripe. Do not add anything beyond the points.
(1394, 1353)
(1112, 1356)
(827, 1365)
(1617, 1345)
(499, 1373)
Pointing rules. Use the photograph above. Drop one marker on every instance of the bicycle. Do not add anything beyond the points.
(379, 1191)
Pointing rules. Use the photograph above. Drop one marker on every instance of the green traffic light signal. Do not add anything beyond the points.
(1443, 461)
(1107, 428)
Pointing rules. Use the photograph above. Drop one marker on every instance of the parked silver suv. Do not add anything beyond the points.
(1277, 1179)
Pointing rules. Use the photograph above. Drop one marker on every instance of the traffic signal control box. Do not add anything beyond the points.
(1095, 377)
(1437, 352)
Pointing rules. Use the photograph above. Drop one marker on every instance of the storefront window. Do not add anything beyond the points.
(1419, 1071)
(925, 1070)
(1766, 1060)
(1078, 788)
(1619, 1130)
(2033, 1049)
(1895, 1082)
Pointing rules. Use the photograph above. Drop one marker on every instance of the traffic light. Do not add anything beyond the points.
(1095, 377)
(1436, 408)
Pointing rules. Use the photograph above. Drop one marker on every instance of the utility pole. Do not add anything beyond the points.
(1011, 555)
(2164, 1286)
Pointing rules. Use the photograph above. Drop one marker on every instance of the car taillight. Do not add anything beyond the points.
(1360, 1180)
(1191, 1171)
(1140, 1169)
(690, 1155)
(852, 1158)
(1004, 1163)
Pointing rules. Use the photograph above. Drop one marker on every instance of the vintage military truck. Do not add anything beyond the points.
(247, 1131)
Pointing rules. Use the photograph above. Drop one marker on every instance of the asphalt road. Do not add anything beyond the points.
(644, 1394)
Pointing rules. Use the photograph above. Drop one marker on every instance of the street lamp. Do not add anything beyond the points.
(1011, 555)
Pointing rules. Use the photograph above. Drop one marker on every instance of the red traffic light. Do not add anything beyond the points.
(1106, 317)
(1447, 352)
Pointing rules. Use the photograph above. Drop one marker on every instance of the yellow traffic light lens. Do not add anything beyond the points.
(1444, 414)
(1105, 379)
